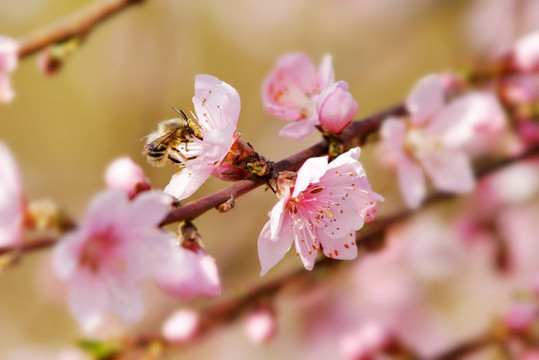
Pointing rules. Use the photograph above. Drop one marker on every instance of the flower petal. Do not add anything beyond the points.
(343, 248)
(88, 299)
(336, 108)
(217, 104)
(270, 251)
(450, 171)
(411, 182)
(299, 130)
(188, 181)
(326, 74)
(425, 99)
(310, 173)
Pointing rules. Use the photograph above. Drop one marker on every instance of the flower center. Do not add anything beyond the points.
(95, 251)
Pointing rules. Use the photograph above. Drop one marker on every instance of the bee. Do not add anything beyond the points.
(168, 137)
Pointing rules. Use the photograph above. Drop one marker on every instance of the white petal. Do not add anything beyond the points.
(343, 248)
(276, 217)
(88, 300)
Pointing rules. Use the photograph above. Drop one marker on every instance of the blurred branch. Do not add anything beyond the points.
(78, 25)
(369, 239)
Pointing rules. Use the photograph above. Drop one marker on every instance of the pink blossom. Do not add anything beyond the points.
(526, 52)
(324, 208)
(8, 63)
(433, 138)
(217, 109)
(260, 325)
(296, 91)
(188, 273)
(116, 247)
(520, 316)
(182, 326)
(12, 203)
(124, 174)
(366, 343)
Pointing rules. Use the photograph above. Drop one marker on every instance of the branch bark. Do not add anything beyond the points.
(79, 24)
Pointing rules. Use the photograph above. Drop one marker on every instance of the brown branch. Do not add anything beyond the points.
(358, 129)
(79, 25)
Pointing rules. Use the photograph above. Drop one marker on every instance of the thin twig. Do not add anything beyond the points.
(79, 25)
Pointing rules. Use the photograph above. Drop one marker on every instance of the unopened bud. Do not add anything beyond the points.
(182, 326)
(260, 325)
(124, 174)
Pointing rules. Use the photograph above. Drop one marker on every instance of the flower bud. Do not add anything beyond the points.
(182, 326)
(520, 317)
(126, 175)
(526, 53)
(336, 108)
(260, 325)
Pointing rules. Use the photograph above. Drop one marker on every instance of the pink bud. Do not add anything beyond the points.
(124, 174)
(182, 326)
(526, 52)
(336, 108)
(260, 325)
(519, 90)
(520, 317)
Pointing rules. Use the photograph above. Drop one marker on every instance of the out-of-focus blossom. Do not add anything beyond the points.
(324, 208)
(296, 91)
(433, 138)
(260, 325)
(8, 62)
(124, 174)
(526, 52)
(519, 90)
(12, 202)
(520, 316)
(116, 247)
(188, 272)
(217, 108)
(366, 343)
(182, 326)
(530, 355)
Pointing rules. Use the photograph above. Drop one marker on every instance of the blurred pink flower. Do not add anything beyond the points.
(116, 247)
(217, 108)
(260, 325)
(434, 136)
(12, 202)
(296, 91)
(181, 326)
(324, 208)
(366, 342)
(526, 52)
(124, 174)
(520, 316)
(188, 272)
(8, 63)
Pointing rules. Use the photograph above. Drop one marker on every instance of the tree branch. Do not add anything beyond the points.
(79, 24)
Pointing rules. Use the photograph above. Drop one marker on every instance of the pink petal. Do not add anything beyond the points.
(450, 171)
(270, 251)
(393, 133)
(425, 99)
(310, 173)
(326, 74)
(465, 117)
(188, 274)
(6, 91)
(411, 182)
(217, 143)
(65, 255)
(11, 199)
(104, 209)
(306, 247)
(125, 299)
(88, 299)
(276, 216)
(8, 54)
(146, 211)
(336, 108)
(299, 130)
(260, 325)
(287, 90)
(343, 248)
(347, 159)
(217, 104)
(185, 184)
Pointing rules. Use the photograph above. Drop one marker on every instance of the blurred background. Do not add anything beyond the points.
(64, 130)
